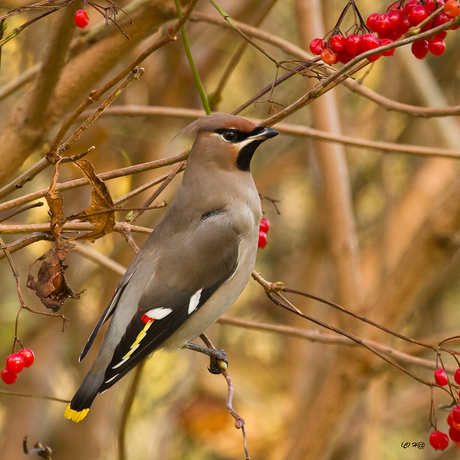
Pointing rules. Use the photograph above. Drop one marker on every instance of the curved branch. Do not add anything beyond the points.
(286, 128)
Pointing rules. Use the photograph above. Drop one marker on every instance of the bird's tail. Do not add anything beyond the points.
(79, 406)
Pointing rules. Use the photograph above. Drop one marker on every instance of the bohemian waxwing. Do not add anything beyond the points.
(194, 264)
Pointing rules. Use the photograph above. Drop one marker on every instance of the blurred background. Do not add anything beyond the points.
(373, 230)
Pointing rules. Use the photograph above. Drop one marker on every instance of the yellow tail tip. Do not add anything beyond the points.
(75, 416)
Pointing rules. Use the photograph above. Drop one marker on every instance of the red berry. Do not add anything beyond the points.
(369, 42)
(420, 49)
(436, 46)
(345, 57)
(456, 414)
(374, 57)
(440, 377)
(317, 45)
(403, 27)
(264, 225)
(353, 44)
(452, 423)
(15, 363)
(396, 6)
(28, 356)
(410, 5)
(8, 377)
(371, 21)
(382, 22)
(336, 42)
(457, 376)
(452, 9)
(262, 239)
(440, 19)
(417, 15)
(395, 19)
(387, 41)
(439, 440)
(81, 19)
(442, 35)
(328, 56)
(454, 434)
(431, 5)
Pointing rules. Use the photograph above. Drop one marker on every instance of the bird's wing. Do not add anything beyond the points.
(192, 271)
(109, 310)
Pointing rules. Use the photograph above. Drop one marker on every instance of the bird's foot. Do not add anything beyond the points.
(218, 358)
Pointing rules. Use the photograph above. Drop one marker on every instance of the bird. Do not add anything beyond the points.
(194, 264)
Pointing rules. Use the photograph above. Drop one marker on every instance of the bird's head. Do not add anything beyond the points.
(226, 141)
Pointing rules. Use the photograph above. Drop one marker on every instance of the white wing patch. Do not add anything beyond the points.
(147, 318)
(157, 313)
(194, 301)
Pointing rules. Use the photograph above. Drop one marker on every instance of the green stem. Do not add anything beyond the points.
(196, 75)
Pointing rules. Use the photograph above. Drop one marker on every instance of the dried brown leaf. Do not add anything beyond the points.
(51, 285)
(55, 211)
(55, 205)
(101, 211)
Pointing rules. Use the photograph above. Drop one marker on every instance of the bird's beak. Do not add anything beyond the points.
(261, 134)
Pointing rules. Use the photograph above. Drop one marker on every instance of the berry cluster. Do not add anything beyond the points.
(383, 29)
(263, 230)
(438, 439)
(15, 363)
(81, 19)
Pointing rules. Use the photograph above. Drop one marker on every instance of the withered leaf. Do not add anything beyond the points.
(55, 205)
(56, 211)
(51, 285)
(100, 213)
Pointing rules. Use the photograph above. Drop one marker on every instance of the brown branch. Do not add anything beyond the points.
(357, 87)
(280, 300)
(71, 226)
(287, 128)
(153, 197)
(99, 258)
(332, 339)
(104, 176)
(57, 148)
(25, 241)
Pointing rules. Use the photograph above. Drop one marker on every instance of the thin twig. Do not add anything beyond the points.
(25, 241)
(57, 149)
(155, 194)
(239, 421)
(68, 227)
(331, 339)
(272, 290)
(288, 128)
(34, 396)
(103, 176)
(127, 406)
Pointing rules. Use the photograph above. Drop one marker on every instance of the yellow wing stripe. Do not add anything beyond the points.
(141, 334)
(135, 345)
(131, 351)
(74, 415)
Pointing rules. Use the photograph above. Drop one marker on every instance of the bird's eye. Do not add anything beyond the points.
(230, 135)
